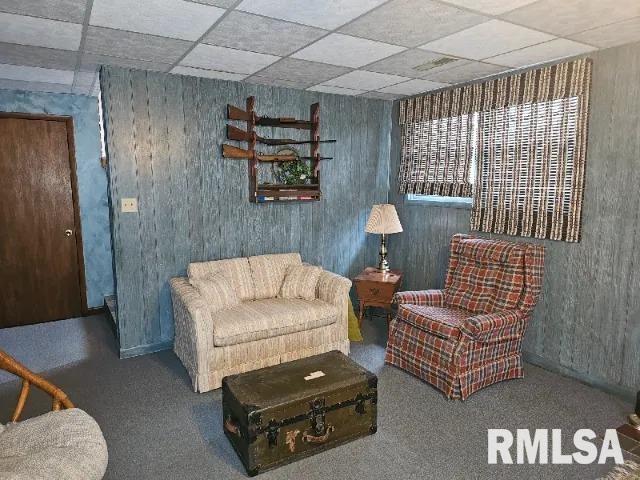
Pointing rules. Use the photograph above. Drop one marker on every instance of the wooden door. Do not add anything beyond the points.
(40, 259)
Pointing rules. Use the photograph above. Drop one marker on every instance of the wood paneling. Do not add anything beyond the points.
(587, 322)
(163, 136)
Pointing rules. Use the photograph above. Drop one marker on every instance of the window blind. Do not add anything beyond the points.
(437, 138)
(530, 149)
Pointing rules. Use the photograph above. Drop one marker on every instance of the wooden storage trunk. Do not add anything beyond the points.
(280, 414)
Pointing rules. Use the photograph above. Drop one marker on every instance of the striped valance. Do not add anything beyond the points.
(518, 143)
(569, 79)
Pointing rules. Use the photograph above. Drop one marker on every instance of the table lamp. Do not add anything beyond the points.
(384, 220)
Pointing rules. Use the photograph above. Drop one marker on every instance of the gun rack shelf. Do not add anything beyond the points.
(269, 192)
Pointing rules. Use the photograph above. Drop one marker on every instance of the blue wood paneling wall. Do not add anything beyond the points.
(163, 136)
(587, 322)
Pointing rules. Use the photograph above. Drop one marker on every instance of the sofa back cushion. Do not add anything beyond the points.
(236, 270)
(268, 272)
(485, 275)
(300, 281)
(216, 291)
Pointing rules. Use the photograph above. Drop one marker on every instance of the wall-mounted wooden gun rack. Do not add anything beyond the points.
(268, 192)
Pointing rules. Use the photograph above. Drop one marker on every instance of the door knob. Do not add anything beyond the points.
(68, 233)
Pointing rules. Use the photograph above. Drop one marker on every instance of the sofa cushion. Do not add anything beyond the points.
(300, 281)
(237, 270)
(268, 318)
(65, 444)
(268, 272)
(216, 291)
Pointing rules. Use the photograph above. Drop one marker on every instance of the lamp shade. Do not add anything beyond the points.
(383, 219)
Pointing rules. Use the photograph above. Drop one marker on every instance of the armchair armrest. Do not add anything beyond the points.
(493, 326)
(427, 298)
(193, 326)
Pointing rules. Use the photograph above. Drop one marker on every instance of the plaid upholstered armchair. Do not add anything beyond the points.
(469, 335)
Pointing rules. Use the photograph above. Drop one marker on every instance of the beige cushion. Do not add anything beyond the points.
(268, 318)
(216, 291)
(300, 281)
(57, 445)
(237, 270)
(268, 272)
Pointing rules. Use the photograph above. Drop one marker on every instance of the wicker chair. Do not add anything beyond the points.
(65, 443)
(469, 335)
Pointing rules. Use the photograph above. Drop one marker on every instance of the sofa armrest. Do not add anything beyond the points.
(193, 326)
(426, 298)
(333, 288)
(493, 327)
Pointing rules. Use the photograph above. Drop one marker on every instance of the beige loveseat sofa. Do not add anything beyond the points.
(213, 341)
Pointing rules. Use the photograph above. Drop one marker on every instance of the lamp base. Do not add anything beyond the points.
(383, 264)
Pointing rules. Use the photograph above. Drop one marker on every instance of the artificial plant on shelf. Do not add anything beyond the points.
(294, 173)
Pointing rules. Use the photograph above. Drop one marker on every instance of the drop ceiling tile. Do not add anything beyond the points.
(361, 80)
(412, 22)
(412, 87)
(165, 18)
(347, 51)
(570, 16)
(34, 86)
(245, 31)
(199, 72)
(217, 3)
(277, 82)
(467, 72)
(323, 14)
(39, 32)
(612, 35)
(302, 72)
(414, 63)
(67, 10)
(336, 90)
(543, 52)
(37, 56)
(35, 74)
(211, 57)
(492, 7)
(380, 95)
(487, 40)
(90, 61)
(117, 43)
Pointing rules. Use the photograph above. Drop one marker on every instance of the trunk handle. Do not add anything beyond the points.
(231, 427)
(307, 437)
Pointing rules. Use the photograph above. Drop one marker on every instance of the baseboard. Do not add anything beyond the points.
(617, 390)
(95, 311)
(144, 349)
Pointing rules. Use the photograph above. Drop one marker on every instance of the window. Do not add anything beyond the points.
(441, 138)
(516, 145)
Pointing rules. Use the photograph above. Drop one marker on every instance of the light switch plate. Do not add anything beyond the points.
(129, 205)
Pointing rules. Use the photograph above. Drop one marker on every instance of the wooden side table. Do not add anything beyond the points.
(376, 288)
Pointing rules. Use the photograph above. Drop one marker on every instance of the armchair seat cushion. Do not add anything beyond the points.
(67, 444)
(442, 322)
(272, 317)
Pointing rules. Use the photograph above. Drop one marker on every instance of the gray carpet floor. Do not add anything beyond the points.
(156, 427)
